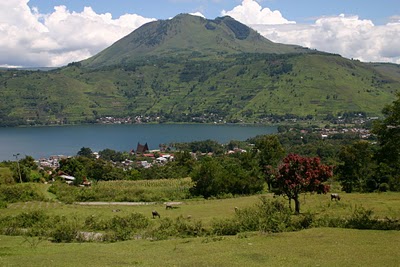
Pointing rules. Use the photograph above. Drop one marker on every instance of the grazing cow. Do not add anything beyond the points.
(155, 214)
(168, 206)
(116, 210)
(335, 197)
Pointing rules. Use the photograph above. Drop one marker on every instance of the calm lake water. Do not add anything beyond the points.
(41, 142)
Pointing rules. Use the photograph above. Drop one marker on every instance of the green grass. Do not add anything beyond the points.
(313, 247)
(383, 205)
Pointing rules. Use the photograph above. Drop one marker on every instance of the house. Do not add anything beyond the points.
(141, 149)
(68, 179)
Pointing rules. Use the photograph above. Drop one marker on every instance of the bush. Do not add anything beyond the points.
(267, 216)
(383, 187)
(180, 227)
(29, 219)
(225, 227)
(303, 221)
(360, 219)
(65, 230)
(20, 192)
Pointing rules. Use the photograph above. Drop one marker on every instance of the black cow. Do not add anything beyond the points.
(155, 214)
(335, 197)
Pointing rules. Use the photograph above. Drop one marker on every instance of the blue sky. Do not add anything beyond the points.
(56, 32)
(302, 11)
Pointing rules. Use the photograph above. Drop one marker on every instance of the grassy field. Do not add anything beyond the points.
(383, 205)
(313, 247)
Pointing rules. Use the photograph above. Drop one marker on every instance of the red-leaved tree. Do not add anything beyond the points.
(299, 175)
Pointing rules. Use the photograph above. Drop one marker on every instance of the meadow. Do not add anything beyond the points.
(312, 247)
(315, 246)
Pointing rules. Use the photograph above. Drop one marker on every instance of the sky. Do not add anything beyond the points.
(53, 33)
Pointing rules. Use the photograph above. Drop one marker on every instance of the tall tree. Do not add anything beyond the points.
(388, 133)
(357, 167)
(299, 175)
(270, 153)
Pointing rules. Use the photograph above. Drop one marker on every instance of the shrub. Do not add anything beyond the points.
(20, 192)
(225, 227)
(180, 227)
(303, 221)
(65, 230)
(360, 219)
(29, 219)
(383, 187)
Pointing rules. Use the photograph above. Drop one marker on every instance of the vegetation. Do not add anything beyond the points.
(218, 197)
(142, 190)
(301, 175)
(241, 77)
(324, 247)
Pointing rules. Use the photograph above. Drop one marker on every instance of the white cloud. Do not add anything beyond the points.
(348, 36)
(251, 12)
(199, 14)
(28, 38)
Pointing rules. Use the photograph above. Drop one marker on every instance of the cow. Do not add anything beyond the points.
(169, 206)
(335, 197)
(155, 214)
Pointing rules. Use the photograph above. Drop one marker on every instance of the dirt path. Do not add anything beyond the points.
(116, 203)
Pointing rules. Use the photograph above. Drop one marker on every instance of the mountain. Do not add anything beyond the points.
(188, 35)
(189, 69)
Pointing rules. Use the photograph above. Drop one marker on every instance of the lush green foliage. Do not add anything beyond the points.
(388, 133)
(357, 168)
(20, 192)
(227, 175)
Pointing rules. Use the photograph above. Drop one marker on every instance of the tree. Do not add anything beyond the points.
(85, 152)
(208, 178)
(72, 166)
(270, 153)
(111, 155)
(227, 175)
(357, 167)
(299, 175)
(388, 134)
(23, 168)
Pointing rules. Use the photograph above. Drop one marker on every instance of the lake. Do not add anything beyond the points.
(41, 142)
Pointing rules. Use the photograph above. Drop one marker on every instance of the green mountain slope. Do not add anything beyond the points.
(191, 36)
(175, 71)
